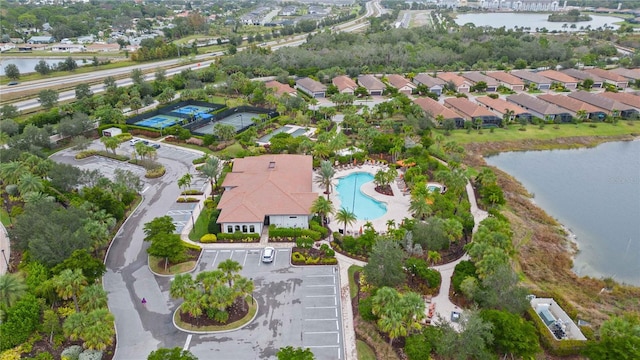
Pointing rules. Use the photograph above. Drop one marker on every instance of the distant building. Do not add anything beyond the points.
(311, 87)
(557, 321)
(41, 40)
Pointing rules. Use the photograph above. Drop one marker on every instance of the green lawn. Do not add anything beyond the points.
(201, 227)
(353, 289)
(533, 132)
(364, 351)
(5, 218)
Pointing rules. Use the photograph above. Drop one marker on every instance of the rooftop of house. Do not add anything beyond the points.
(467, 108)
(535, 104)
(558, 76)
(280, 88)
(501, 105)
(505, 78)
(311, 84)
(569, 103)
(623, 97)
(435, 108)
(343, 82)
(457, 80)
(265, 185)
(531, 77)
(631, 74)
(582, 75)
(371, 82)
(428, 80)
(399, 81)
(608, 75)
(599, 101)
(476, 77)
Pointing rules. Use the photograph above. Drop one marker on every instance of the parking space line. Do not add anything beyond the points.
(318, 296)
(215, 258)
(314, 276)
(245, 258)
(186, 343)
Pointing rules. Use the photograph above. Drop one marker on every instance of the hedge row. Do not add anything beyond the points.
(290, 234)
(187, 200)
(88, 153)
(300, 259)
(238, 237)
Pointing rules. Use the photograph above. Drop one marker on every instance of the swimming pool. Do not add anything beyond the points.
(352, 198)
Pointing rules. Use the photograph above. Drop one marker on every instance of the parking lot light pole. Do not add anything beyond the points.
(5, 259)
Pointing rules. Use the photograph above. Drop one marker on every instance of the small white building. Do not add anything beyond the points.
(112, 131)
(558, 322)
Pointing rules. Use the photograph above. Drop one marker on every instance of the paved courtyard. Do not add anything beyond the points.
(298, 306)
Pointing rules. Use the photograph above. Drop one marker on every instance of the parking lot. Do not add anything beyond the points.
(298, 306)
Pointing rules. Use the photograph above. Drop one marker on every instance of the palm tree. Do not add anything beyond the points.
(507, 117)
(323, 208)
(391, 224)
(210, 279)
(230, 269)
(93, 297)
(99, 331)
(412, 308)
(29, 183)
(244, 287)
(193, 302)
(181, 285)
(433, 257)
(212, 168)
(384, 301)
(12, 288)
(36, 196)
(393, 325)
(346, 217)
(419, 208)
(325, 176)
(10, 172)
(185, 182)
(110, 142)
(69, 283)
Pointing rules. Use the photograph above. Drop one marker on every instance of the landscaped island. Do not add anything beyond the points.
(570, 16)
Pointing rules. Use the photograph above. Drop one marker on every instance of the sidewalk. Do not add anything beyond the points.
(5, 250)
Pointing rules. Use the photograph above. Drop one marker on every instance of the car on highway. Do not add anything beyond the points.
(11, 83)
(268, 254)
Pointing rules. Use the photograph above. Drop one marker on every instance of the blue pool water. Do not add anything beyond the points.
(365, 208)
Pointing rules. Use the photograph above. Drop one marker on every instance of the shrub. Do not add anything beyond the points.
(208, 238)
(90, 355)
(365, 308)
(329, 261)
(463, 270)
(213, 227)
(44, 356)
(312, 260)
(187, 200)
(155, 173)
(192, 192)
(20, 321)
(417, 348)
(71, 353)
(304, 242)
(238, 236)
(124, 137)
(209, 204)
(297, 257)
(292, 233)
(12, 354)
(321, 229)
(85, 154)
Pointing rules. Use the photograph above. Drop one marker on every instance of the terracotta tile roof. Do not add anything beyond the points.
(569, 103)
(467, 108)
(428, 80)
(501, 105)
(599, 101)
(505, 78)
(311, 85)
(280, 88)
(631, 74)
(435, 108)
(371, 82)
(456, 79)
(343, 82)
(535, 104)
(625, 98)
(267, 185)
(607, 75)
(558, 76)
(582, 75)
(531, 77)
(398, 81)
(476, 77)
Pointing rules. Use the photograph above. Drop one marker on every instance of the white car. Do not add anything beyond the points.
(268, 254)
(134, 141)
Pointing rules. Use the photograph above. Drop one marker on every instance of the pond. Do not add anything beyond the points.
(532, 21)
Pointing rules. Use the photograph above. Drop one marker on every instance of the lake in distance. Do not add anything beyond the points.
(593, 192)
(532, 20)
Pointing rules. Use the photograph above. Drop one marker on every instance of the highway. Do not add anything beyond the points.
(173, 66)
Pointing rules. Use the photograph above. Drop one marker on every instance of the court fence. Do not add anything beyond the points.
(169, 110)
(195, 125)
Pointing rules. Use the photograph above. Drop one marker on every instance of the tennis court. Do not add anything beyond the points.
(192, 110)
(159, 121)
(238, 120)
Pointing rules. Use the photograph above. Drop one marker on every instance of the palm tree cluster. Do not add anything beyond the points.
(398, 314)
(384, 178)
(212, 293)
(325, 176)
(212, 169)
(24, 178)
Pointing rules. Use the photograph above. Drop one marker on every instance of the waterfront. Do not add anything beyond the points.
(595, 193)
(532, 21)
(27, 65)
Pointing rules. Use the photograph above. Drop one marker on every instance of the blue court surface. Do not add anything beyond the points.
(159, 121)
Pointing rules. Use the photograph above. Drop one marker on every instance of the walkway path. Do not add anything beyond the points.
(5, 250)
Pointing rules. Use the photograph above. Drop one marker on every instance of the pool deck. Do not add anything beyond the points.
(397, 205)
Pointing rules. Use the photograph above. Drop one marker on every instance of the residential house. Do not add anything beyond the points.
(267, 190)
(540, 108)
(404, 85)
(575, 106)
(280, 88)
(101, 47)
(462, 85)
(437, 110)
(507, 80)
(311, 87)
(609, 77)
(41, 40)
(86, 39)
(598, 82)
(434, 84)
(568, 81)
(610, 106)
(502, 107)
(625, 98)
(631, 74)
(345, 84)
(68, 48)
(472, 112)
(529, 77)
(374, 86)
(475, 77)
